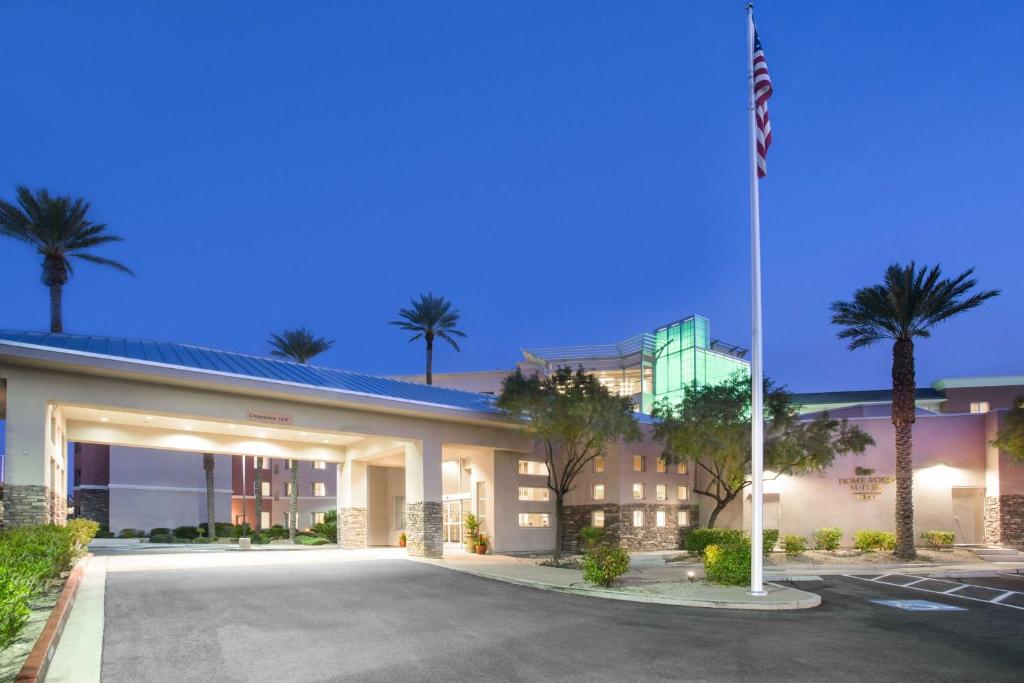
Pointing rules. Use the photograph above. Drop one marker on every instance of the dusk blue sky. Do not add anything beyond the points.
(565, 172)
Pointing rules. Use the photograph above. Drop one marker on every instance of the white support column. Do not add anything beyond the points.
(352, 514)
(423, 498)
(28, 496)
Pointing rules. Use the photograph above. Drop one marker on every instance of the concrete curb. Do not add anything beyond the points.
(811, 599)
(34, 668)
(861, 570)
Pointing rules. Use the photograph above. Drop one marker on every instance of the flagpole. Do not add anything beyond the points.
(756, 371)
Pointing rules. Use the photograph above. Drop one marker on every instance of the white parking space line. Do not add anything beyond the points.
(951, 592)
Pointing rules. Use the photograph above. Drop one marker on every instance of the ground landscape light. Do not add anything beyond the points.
(690, 575)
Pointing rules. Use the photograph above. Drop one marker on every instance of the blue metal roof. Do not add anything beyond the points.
(259, 367)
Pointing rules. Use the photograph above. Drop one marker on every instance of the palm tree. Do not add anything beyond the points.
(301, 346)
(59, 229)
(432, 317)
(906, 305)
(211, 514)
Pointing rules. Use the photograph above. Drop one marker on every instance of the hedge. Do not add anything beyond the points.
(828, 538)
(938, 539)
(727, 564)
(29, 558)
(698, 540)
(873, 539)
(186, 532)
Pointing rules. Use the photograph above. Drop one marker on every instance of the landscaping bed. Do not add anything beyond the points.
(849, 556)
(14, 655)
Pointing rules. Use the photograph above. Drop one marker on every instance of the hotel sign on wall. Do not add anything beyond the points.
(268, 418)
(866, 487)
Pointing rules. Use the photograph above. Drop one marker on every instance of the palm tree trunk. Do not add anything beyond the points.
(293, 502)
(56, 305)
(430, 361)
(903, 415)
(211, 514)
(258, 494)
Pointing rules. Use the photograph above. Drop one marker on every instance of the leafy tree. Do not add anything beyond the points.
(211, 513)
(430, 318)
(710, 427)
(1011, 436)
(299, 345)
(574, 417)
(906, 305)
(59, 229)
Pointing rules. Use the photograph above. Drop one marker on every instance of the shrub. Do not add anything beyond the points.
(29, 557)
(223, 529)
(131, 533)
(769, 540)
(239, 530)
(592, 535)
(697, 540)
(277, 532)
(727, 564)
(201, 539)
(186, 532)
(83, 531)
(159, 531)
(873, 539)
(794, 545)
(938, 539)
(603, 564)
(165, 538)
(310, 540)
(828, 538)
(329, 527)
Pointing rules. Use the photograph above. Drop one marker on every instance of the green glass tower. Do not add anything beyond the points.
(685, 353)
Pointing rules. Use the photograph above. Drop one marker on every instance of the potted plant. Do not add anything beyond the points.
(402, 540)
(481, 544)
(472, 529)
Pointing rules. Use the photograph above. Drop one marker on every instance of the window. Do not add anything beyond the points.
(288, 463)
(659, 518)
(599, 464)
(660, 467)
(681, 468)
(638, 491)
(597, 519)
(683, 519)
(534, 493)
(533, 467)
(287, 521)
(661, 492)
(316, 518)
(598, 492)
(638, 463)
(265, 488)
(264, 520)
(980, 406)
(319, 464)
(481, 503)
(638, 517)
(319, 489)
(682, 493)
(287, 488)
(260, 463)
(534, 519)
(399, 512)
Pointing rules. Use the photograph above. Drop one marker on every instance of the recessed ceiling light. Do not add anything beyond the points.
(262, 435)
(104, 419)
(188, 428)
(303, 434)
(148, 418)
(232, 426)
(326, 441)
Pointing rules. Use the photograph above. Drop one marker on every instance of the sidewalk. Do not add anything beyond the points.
(645, 582)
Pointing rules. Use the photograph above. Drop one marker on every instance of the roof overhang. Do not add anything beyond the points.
(973, 382)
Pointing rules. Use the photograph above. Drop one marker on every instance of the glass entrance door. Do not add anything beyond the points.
(453, 522)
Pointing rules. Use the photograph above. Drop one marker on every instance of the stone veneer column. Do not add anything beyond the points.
(423, 516)
(353, 531)
(1011, 520)
(993, 526)
(94, 504)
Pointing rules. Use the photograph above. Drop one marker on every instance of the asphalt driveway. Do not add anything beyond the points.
(390, 620)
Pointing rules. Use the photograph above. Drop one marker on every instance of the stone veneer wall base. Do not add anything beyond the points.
(1004, 520)
(94, 504)
(27, 505)
(619, 529)
(423, 529)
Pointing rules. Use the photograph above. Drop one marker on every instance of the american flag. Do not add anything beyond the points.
(762, 91)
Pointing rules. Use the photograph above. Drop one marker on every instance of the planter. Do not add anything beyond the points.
(401, 543)
(481, 550)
